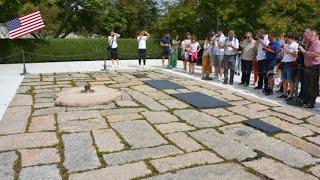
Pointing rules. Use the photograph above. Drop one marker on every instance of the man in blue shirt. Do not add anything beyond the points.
(272, 50)
(166, 45)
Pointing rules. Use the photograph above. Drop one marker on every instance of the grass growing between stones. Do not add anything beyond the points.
(17, 166)
(60, 147)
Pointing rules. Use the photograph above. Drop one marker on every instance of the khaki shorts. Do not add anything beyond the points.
(217, 61)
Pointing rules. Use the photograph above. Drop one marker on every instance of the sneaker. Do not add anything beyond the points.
(246, 85)
(231, 82)
(203, 78)
(225, 82)
(240, 84)
(257, 87)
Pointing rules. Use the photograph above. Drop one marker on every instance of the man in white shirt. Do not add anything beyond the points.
(290, 53)
(184, 54)
(231, 46)
(112, 40)
(260, 57)
(218, 53)
(142, 47)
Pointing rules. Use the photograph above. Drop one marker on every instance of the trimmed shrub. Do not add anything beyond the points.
(55, 50)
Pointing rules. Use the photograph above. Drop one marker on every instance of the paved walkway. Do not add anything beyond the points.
(148, 134)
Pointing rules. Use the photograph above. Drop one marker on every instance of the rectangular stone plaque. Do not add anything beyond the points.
(263, 126)
(163, 84)
(200, 100)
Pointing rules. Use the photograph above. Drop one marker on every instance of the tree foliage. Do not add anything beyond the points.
(128, 17)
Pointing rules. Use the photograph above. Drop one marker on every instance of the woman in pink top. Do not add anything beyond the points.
(193, 51)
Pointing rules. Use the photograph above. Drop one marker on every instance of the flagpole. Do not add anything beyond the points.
(24, 64)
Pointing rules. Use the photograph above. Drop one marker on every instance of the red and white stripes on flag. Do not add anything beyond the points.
(25, 25)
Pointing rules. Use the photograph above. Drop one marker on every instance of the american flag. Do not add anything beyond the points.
(25, 25)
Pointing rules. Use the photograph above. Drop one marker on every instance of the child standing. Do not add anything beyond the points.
(193, 51)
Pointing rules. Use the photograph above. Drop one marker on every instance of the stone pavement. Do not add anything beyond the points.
(149, 134)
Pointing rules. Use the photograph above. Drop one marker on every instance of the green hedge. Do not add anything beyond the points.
(55, 50)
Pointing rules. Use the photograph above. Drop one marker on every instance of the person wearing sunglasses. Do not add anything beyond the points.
(248, 48)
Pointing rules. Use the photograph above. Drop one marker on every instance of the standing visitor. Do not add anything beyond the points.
(206, 58)
(193, 50)
(184, 54)
(218, 53)
(311, 62)
(272, 50)
(165, 43)
(231, 46)
(290, 53)
(113, 47)
(174, 52)
(248, 48)
(261, 59)
(142, 48)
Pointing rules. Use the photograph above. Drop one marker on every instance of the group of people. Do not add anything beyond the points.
(295, 61)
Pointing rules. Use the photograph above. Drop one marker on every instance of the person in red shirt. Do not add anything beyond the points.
(312, 64)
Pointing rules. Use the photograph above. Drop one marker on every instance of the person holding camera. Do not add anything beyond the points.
(231, 46)
(113, 47)
(218, 53)
(206, 58)
(312, 63)
(142, 47)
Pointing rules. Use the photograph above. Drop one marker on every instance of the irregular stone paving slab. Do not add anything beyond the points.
(28, 140)
(315, 120)
(88, 108)
(171, 91)
(107, 140)
(124, 117)
(43, 105)
(42, 123)
(273, 147)
(6, 165)
(127, 104)
(45, 95)
(301, 144)
(294, 112)
(184, 142)
(224, 145)
(40, 173)
(126, 171)
(315, 139)
(286, 117)
(174, 127)
(23, 89)
(82, 125)
(140, 154)
(31, 157)
(67, 116)
(257, 107)
(46, 111)
(292, 128)
(174, 104)
(185, 160)
(79, 152)
(249, 113)
(147, 101)
(139, 134)
(144, 88)
(198, 119)
(315, 170)
(159, 117)
(15, 120)
(276, 170)
(311, 127)
(225, 171)
(122, 111)
(21, 100)
(233, 118)
(217, 112)
(240, 103)
(157, 95)
(44, 100)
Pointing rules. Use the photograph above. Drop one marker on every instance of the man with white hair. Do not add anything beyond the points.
(312, 64)
(231, 46)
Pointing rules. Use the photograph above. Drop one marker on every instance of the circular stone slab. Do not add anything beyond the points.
(74, 97)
